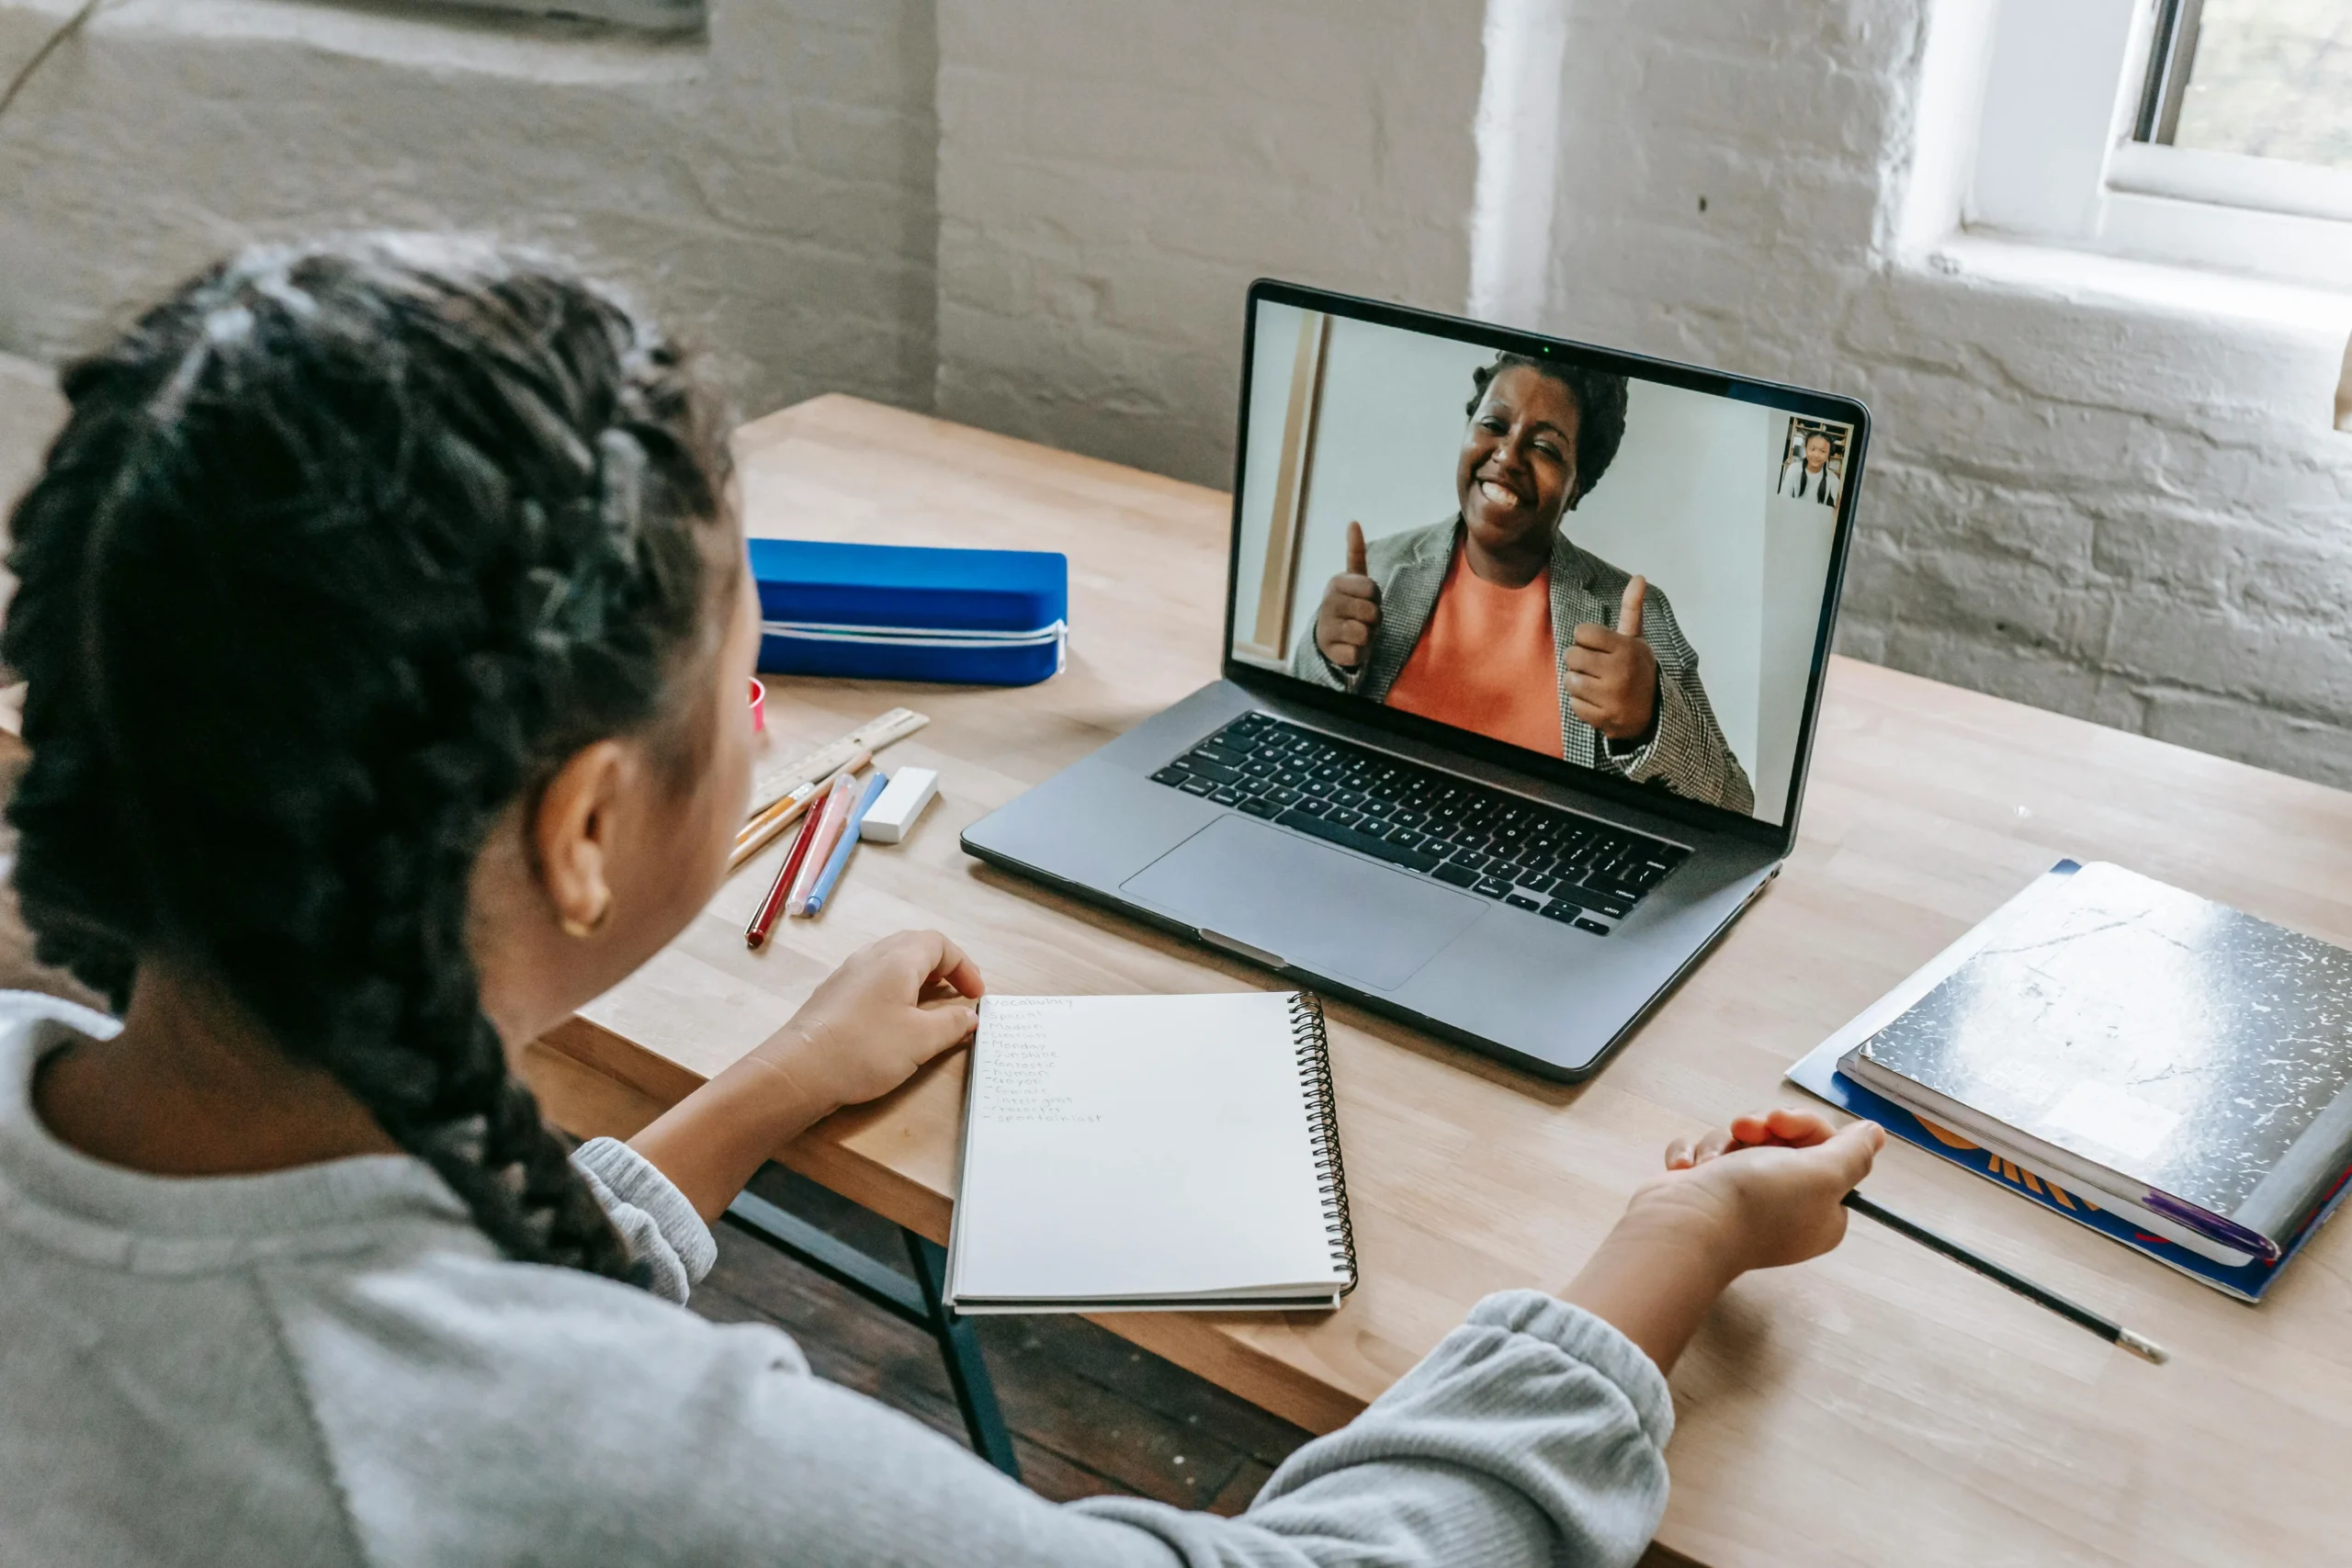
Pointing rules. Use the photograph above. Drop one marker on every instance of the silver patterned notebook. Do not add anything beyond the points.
(2147, 1044)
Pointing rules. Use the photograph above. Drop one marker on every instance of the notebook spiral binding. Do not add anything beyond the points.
(1323, 1121)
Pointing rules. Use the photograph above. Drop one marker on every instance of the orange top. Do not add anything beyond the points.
(1485, 662)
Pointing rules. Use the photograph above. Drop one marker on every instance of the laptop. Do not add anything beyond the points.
(1522, 653)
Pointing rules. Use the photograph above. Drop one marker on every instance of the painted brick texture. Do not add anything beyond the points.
(2082, 496)
(2086, 497)
(2097, 488)
(768, 189)
(1110, 181)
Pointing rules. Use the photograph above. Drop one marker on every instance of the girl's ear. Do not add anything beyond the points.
(572, 833)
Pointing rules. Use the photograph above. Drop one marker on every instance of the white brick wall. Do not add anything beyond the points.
(1111, 179)
(2096, 487)
(30, 411)
(2086, 492)
(768, 189)
(2138, 517)
(2093, 491)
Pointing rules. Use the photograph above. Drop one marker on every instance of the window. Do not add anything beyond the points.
(2265, 78)
(2216, 133)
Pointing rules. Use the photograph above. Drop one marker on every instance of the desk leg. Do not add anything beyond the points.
(917, 1301)
(959, 1346)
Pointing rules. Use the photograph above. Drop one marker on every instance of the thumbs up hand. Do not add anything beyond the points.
(1349, 613)
(1611, 676)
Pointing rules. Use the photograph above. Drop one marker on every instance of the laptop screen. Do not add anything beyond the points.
(1618, 564)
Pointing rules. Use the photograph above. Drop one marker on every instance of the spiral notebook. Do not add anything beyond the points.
(1133, 1154)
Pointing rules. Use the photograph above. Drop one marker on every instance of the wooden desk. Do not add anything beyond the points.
(1877, 1404)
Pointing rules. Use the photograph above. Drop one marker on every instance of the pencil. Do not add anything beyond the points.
(754, 835)
(780, 806)
(2106, 1329)
(770, 907)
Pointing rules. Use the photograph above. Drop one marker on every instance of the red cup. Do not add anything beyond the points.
(759, 705)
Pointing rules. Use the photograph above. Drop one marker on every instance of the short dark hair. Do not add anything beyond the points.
(413, 520)
(1600, 408)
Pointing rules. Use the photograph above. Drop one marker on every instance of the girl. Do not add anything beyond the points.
(387, 625)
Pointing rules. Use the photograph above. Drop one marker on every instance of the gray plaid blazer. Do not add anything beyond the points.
(1688, 754)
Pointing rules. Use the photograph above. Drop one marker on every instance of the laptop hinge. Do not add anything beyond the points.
(1236, 946)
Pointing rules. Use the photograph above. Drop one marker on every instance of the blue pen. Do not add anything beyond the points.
(840, 858)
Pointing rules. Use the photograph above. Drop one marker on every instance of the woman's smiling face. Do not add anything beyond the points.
(1517, 471)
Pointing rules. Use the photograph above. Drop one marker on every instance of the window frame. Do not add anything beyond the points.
(655, 17)
(2172, 52)
(2074, 96)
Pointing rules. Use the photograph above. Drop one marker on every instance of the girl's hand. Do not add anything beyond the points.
(887, 1011)
(1757, 1194)
(1771, 1184)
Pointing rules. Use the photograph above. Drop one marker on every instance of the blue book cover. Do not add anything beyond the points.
(1818, 1074)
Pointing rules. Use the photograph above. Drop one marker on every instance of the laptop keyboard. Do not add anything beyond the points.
(1557, 863)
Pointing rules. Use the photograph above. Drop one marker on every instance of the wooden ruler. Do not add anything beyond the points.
(774, 783)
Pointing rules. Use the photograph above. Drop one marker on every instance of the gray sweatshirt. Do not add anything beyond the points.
(330, 1366)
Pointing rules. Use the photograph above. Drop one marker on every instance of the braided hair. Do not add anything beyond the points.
(1600, 410)
(406, 521)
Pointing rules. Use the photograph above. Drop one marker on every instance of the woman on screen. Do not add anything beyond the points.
(1494, 621)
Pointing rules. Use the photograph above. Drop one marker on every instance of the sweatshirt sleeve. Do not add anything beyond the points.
(1533, 1434)
(1531, 1438)
(660, 1227)
(623, 1429)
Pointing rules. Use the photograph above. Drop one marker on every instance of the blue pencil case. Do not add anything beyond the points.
(891, 612)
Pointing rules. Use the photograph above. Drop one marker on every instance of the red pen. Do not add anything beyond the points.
(773, 904)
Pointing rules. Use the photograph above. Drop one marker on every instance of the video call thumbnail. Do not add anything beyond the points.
(1620, 572)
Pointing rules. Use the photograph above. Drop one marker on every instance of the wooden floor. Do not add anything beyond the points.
(1088, 1413)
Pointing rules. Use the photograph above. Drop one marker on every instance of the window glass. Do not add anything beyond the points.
(2272, 78)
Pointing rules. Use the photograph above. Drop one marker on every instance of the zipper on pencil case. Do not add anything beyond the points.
(915, 636)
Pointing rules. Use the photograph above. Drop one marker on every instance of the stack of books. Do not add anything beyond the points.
(2154, 1065)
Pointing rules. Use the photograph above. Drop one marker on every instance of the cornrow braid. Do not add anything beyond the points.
(410, 521)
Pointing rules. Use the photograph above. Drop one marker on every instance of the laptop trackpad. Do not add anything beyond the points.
(1318, 908)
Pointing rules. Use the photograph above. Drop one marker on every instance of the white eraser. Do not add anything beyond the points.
(901, 801)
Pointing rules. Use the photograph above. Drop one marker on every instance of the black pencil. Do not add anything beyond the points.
(2112, 1332)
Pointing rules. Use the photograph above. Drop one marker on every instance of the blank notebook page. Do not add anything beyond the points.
(1139, 1147)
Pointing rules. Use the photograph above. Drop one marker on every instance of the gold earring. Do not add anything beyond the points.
(588, 928)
